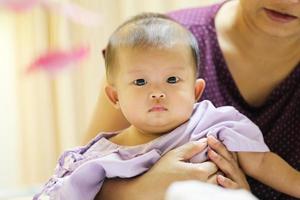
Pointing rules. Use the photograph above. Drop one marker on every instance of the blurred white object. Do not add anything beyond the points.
(18, 193)
(21, 198)
(195, 190)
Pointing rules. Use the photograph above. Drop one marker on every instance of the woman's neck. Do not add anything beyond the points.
(252, 54)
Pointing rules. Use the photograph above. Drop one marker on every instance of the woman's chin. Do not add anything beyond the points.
(280, 28)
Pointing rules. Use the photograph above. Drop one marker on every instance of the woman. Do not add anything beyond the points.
(250, 60)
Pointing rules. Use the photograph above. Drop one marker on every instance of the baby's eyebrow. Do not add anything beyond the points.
(172, 68)
(136, 71)
(177, 68)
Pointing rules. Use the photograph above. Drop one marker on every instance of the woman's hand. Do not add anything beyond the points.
(227, 162)
(173, 166)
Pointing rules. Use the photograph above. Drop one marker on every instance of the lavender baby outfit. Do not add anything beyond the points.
(81, 171)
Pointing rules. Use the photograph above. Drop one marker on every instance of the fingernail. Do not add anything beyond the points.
(203, 140)
(214, 140)
(202, 143)
(212, 153)
(212, 137)
(221, 178)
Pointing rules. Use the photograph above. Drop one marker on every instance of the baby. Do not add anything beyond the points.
(151, 67)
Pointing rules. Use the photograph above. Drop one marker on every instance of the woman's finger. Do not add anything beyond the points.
(213, 179)
(226, 182)
(222, 163)
(188, 150)
(217, 146)
(236, 178)
(207, 167)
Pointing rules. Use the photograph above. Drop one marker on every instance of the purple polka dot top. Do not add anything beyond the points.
(278, 117)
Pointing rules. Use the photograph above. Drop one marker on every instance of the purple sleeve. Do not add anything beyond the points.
(233, 129)
(85, 181)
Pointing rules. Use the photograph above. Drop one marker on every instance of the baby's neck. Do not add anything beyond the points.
(133, 136)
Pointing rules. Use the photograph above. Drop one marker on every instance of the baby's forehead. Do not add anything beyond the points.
(176, 51)
(177, 58)
(159, 33)
(178, 46)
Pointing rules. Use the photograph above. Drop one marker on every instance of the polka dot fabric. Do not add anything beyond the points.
(278, 118)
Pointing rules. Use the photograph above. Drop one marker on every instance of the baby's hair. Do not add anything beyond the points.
(149, 30)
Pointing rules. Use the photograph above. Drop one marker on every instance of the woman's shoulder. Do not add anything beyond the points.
(197, 16)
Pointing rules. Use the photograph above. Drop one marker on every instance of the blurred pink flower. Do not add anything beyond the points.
(70, 10)
(75, 13)
(19, 5)
(54, 61)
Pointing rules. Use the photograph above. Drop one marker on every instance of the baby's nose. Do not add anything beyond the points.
(157, 95)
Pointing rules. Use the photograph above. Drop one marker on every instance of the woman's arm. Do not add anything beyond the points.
(173, 167)
(271, 170)
(153, 184)
(105, 117)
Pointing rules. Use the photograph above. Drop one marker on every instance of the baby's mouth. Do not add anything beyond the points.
(157, 109)
(279, 16)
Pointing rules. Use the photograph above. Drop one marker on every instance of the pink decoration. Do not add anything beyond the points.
(70, 10)
(19, 5)
(57, 60)
(76, 13)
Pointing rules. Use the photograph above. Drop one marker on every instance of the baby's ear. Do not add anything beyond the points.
(199, 88)
(112, 95)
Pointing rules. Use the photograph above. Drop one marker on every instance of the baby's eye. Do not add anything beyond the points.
(139, 82)
(173, 79)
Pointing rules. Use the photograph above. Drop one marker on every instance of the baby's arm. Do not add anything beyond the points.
(271, 170)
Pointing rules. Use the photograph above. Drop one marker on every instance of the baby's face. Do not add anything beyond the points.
(156, 88)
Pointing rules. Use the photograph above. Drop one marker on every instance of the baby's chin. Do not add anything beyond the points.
(161, 129)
